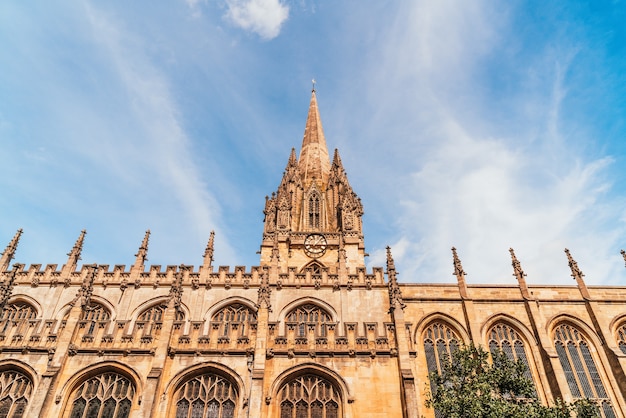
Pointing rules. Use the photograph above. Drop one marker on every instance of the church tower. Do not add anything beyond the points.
(313, 220)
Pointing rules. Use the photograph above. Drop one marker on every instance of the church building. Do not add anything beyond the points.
(308, 333)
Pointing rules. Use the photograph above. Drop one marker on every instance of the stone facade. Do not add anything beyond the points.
(309, 333)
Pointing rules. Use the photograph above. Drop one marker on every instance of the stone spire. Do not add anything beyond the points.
(208, 253)
(9, 252)
(459, 273)
(395, 295)
(519, 274)
(74, 254)
(622, 252)
(142, 254)
(314, 160)
(578, 275)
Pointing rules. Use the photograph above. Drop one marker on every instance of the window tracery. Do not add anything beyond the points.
(309, 396)
(314, 210)
(16, 314)
(15, 391)
(206, 396)
(94, 314)
(309, 315)
(505, 338)
(621, 337)
(581, 373)
(107, 395)
(234, 320)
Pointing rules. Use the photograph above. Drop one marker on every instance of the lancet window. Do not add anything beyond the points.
(206, 396)
(107, 395)
(581, 373)
(92, 316)
(621, 337)
(309, 396)
(309, 316)
(15, 392)
(314, 210)
(503, 337)
(15, 314)
(234, 320)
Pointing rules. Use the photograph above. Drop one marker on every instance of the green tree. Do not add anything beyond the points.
(470, 386)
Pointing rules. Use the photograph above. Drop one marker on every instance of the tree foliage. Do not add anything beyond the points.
(470, 386)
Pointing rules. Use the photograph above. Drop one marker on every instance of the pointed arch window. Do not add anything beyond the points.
(309, 396)
(151, 321)
(208, 395)
(314, 210)
(92, 316)
(235, 321)
(581, 373)
(503, 337)
(621, 337)
(16, 314)
(15, 392)
(107, 395)
(309, 316)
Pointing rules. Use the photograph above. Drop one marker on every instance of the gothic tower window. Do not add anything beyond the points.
(16, 314)
(621, 337)
(234, 320)
(107, 395)
(207, 395)
(503, 337)
(309, 315)
(151, 321)
(581, 373)
(314, 210)
(15, 391)
(309, 396)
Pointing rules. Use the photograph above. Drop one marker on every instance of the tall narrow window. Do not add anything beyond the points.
(504, 338)
(107, 395)
(15, 392)
(208, 395)
(234, 320)
(621, 337)
(440, 341)
(308, 315)
(314, 211)
(309, 396)
(580, 369)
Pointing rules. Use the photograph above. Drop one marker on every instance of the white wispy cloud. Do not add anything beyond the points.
(263, 17)
(485, 178)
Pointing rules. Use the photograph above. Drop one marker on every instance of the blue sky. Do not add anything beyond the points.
(481, 125)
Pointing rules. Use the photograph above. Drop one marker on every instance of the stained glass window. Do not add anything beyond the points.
(206, 396)
(309, 396)
(503, 337)
(107, 395)
(621, 337)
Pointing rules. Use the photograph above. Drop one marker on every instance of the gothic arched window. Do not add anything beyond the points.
(92, 315)
(621, 337)
(16, 314)
(581, 373)
(309, 396)
(309, 315)
(207, 395)
(15, 391)
(234, 320)
(107, 395)
(440, 341)
(314, 210)
(503, 337)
